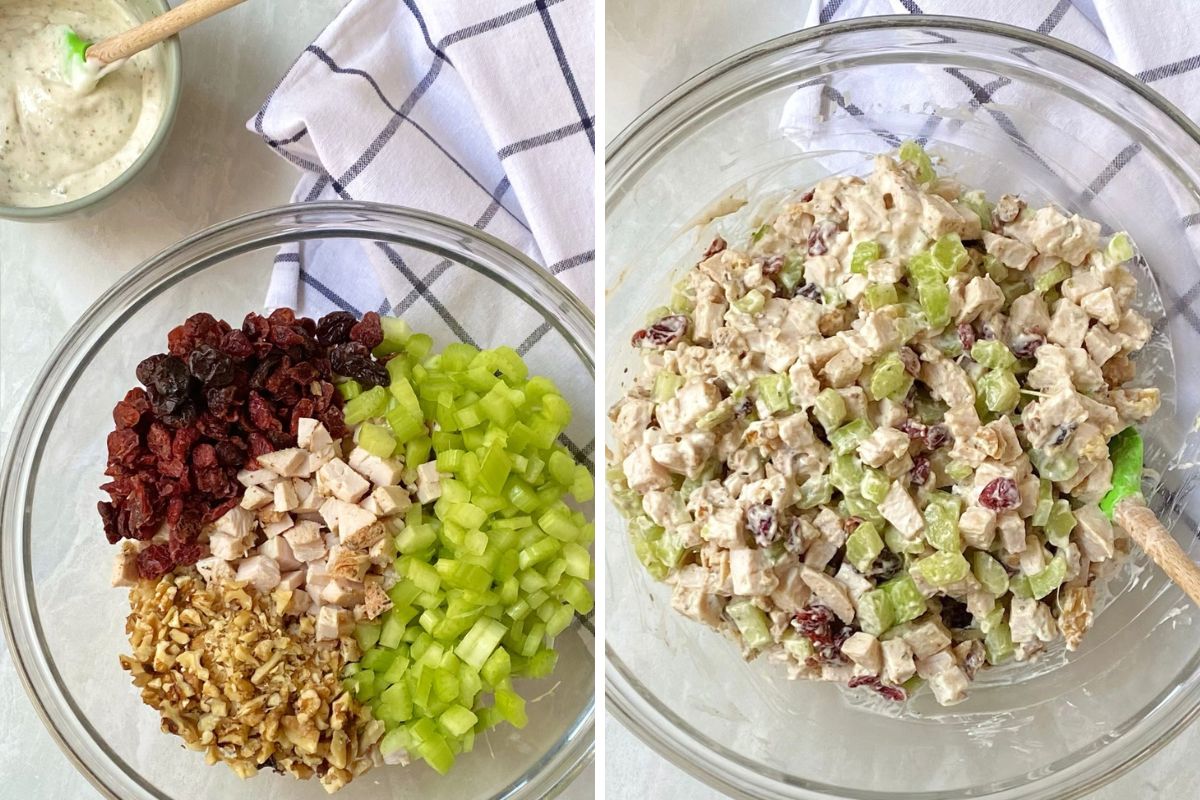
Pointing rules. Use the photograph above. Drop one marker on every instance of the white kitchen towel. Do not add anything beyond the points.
(1157, 42)
(478, 110)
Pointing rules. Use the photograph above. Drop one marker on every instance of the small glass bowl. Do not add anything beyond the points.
(708, 159)
(170, 61)
(66, 625)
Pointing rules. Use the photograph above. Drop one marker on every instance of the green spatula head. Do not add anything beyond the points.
(76, 46)
(1126, 452)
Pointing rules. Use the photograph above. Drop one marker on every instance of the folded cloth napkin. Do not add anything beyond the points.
(1155, 42)
(479, 110)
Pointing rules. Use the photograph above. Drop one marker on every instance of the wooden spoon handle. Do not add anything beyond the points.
(1144, 528)
(150, 33)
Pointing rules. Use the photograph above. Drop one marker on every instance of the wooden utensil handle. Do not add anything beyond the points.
(150, 33)
(1145, 529)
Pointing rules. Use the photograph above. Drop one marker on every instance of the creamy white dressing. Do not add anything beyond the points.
(60, 140)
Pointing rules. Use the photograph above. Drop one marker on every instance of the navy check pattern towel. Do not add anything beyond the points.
(1155, 42)
(479, 110)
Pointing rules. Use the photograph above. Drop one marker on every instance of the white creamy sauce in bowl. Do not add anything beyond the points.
(59, 143)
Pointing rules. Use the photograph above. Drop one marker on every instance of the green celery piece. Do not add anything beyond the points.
(863, 546)
(999, 390)
(368, 405)
(949, 254)
(912, 152)
(847, 438)
(846, 473)
(1119, 249)
(792, 273)
(666, 385)
(1052, 277)
(943, 568)
(1049, 578)
(941, 521)
(750, 303)
(1127, 452)
(998, 644)
(1057, 467)
(816, 491)
(876, 614)
(874, 485)
(907, 601)
(889, 378)
(1019, 586)
(993, 353)
(751, 622)
(829, 409)
(774, 392)
(376, 440)
(878, 295)
(977, 202)
(898, 544)
(989, 572)
(864, 254)
(1045, 503)
(934, 295)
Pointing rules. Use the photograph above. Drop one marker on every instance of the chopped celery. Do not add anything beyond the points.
(1045, 503)
(999, 390)
(793, 271)
(943, 568)
(1049, 578)
(889, 378)
(995, 269)
(998, 644)
(368, 405)
(898, 544)
(863, 546)
(1052, 277)
(989, 572)
(750, 303)
(875, 612)
(874, 485)
(666, 385)
(845, 473)
(847, 438)
(816, 491)
(912, 152)
(1056, 467)
(907, 601)
(941, 521)
(720, 414)
(1120, 249)
(864, 254)
(1060, 523)
(993, 353)
(751, 622)
(977, 202)
(1019, 586)
(829, 409)
(934, 296)
(760, 232)
(773, 392)
(949, 254)
(878, 295)
(376, 440)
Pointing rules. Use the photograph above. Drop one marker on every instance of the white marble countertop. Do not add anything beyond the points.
(650, 48)
(211, 169)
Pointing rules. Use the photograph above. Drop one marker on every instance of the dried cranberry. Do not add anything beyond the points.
(912, 429)
(155, 561)
(1026, 345)
(819, 236)
(353, 360)
(919, 474)
(772, 266)
(170, 377)
(810, 291)
(237, 345)
(664, 332)
(966, 336)
(850, 524)
(743, 409)
(146, 370)
(368, 331)
(955, 613)
(911, 361)
(807, 196)
(760, 520)
(211, 367)
(1001, 494)
(821, 626)
(936, 436)
(108, 516)
(718, 244)
(875, 684)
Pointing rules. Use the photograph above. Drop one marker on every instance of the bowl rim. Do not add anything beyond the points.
(644, 715)
(173, 88)
(553, 771)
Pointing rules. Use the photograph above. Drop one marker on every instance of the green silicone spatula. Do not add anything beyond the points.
(87, 62)
(1125, 506)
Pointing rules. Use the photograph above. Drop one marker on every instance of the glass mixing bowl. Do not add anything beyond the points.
(65, 623)
(1070, 128)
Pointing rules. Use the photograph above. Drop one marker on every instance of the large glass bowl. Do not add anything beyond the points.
(66, 625)
(1072, 129)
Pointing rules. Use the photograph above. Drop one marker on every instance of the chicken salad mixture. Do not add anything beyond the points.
(871, 441)
(341, 548)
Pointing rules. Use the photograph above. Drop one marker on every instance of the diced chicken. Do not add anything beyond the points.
(724, 528)
(285, 496)
(274, 522)
(940, 217)
(125, 569)
(977, 527)
(359, 529)
(338, 479)
(687, 455)
(429, 482)
(380, 471)
(899, 509)
(926, 638)
(1053, 417)
(332, 622)
(312, 435)
(382, 552)
(950, 686)
(291, 580)
(864, 650)
(830, 593)
(751, 572)
(309, 499)
(948, 382)
(1103, 306)
(698, 604)
(236, 522)
(981, 299)
(293, 602)
(227, 547)
(882, 446)
(792, 593)
(1101, 344)
(256, 497)
(280, 551)
(391, 500)
(706, 319)
(1031, 621)
(289, 463)
(260, 571)
(258, 477)
(1011, 253)
(1068, 324)
(842, 369)
(342, 592)
(215, 570)
(306, 541)
(1050, 232)
(898, 664)
(819, 554)
(1093, 533)
(346, 563)
(375, 601)
(1011, 529)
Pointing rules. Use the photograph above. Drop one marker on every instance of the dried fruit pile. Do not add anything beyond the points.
(219, 397)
